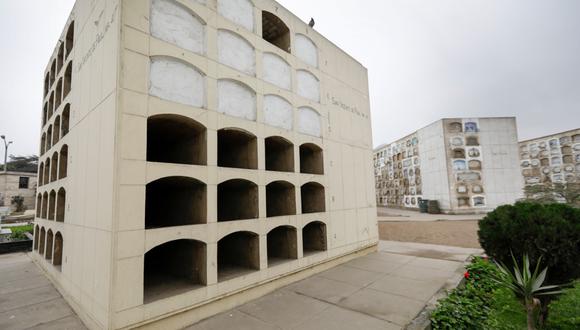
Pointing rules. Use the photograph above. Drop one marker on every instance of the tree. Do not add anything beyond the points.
(18, 202)
(22, 164)
(554, 192)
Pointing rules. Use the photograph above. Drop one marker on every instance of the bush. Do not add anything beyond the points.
(551, 231)
(18, 233)
(564, 313)
(467, 307)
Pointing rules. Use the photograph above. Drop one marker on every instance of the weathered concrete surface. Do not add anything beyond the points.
(28, 300)
(385, 290)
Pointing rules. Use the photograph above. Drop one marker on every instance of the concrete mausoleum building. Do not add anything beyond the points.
(195, 155)
(21, 184)
(551, 159)
(469, 165)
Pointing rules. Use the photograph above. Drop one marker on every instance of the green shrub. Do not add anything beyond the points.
(551, 231)
(467, 307)
(564, 313)
(18, 233)
(506, 312)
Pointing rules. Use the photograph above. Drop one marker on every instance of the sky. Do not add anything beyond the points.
(427, 59)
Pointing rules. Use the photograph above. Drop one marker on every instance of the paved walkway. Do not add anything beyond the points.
(384, 290)
(28, 300)
(389, 214)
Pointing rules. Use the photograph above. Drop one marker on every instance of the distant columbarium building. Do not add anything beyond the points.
(468, 165)
(194, 155)
(551, 159)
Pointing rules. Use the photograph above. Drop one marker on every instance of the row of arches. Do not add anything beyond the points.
(179, 266)
(181, 140)
(175, 23)
(64, 50)
(180, 201)
(49, 245)
(55, 131)
(178, 81)
(54, 168)
(60, 92)
(51, 206)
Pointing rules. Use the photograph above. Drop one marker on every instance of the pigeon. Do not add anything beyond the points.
(311, 24)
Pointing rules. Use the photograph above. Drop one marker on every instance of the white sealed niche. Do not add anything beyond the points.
(236, 99)
(277, 112)
(240, 12)
(236, 52)
(172, 22)
(309, 122)
(174, 80)
(306, 50)
(308, 85)
(277, 71)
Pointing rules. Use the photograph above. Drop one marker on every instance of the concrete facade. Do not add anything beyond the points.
(469, 165)
(551, 159)
(196, 154)
(18, 184)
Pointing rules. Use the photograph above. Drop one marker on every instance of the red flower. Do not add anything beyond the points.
(466, 275)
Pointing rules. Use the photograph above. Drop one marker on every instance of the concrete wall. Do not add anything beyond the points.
(432, 150)
(10, 187)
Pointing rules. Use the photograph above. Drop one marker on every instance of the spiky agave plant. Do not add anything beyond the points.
(526, 286)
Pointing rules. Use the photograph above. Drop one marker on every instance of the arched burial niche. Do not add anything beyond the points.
(60, 56)
(236, 52)
(175, 201)
(282, 245)
(60, 205)
(63, 162)
(236, 99)
(275, 31)
(67, 81)
(70, 36)
(38, 205)
(279, 154)
(43, 144)
(174, 23)
(47, 171)
(306, 50)
(173, 268)
(54, 168)
(57, 254)
(309, 122)
(311, 159)
(314, 238)
(238, 254)
(237, 148)
(313, 200)
(41, 242)
(177, 81)
(51, 205)
(240, 12)
(56, 133)
(41, 174)
(278, 112)
(64, 126)
(277, 71)
(308, 85)
(48, 251)
(45, 205)
(176, 139)
(280, 199)
(237, 200)
(36, 237)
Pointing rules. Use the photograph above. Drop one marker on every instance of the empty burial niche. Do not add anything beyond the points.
(57, 254)
(36, 235)
(63, 162)
(279, 154)
(237, 200)
(311, 159)
(51, 205)
(41, 243)
(60, 205)
(70, 35)
(48, 252)
(65, 120)
(238, 254)
(282, 245)
(313, 200)
(237, 148)
(175, 201)
(280, 199)
(173, 268)
(314, 238)
(176, 139)
(275, 31)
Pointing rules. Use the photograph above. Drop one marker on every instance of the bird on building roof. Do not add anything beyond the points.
(311, 24)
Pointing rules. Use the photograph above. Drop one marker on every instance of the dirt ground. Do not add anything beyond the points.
(453, 233)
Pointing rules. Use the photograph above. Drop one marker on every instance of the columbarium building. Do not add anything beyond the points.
(195, 155)
(469, 165)
(551, 159)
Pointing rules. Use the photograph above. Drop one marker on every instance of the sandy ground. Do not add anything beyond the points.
(452, 233)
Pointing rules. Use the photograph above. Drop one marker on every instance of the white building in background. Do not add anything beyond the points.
(551, 159)
(469, 165)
